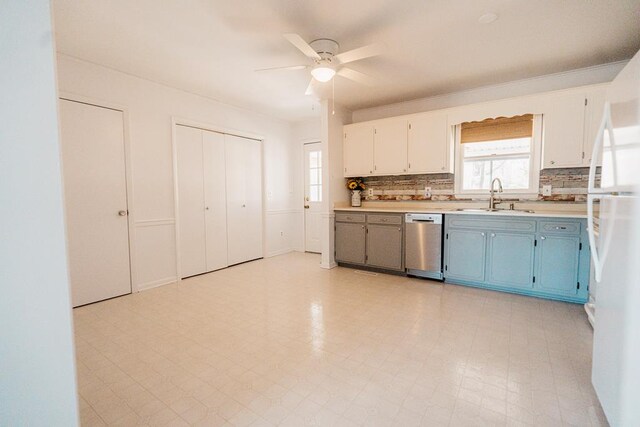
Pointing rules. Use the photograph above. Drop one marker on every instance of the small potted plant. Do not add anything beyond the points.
(356, 185)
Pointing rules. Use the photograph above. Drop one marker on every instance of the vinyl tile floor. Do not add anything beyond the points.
(282, 342)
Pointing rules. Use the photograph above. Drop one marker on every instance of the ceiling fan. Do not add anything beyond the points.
(327, 62)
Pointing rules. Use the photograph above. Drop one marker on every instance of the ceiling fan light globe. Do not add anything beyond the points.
(323, 73)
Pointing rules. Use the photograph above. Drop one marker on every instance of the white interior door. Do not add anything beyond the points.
(313, 163)
(244, 199)
(95, 190)
(215, 200)
(191, 213)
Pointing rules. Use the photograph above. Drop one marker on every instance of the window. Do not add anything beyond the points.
(315, 176)
(505, 148)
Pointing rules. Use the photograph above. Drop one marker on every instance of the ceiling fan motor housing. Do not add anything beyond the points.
(326, 48)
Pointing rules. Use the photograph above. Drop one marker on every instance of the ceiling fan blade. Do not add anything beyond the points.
(310, 90)
(359, 53)
(302, 45)
(356, 76)
(289, 67)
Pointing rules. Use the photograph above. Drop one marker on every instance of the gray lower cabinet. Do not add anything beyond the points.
(373, 240)
(351, 242)
(384, 246)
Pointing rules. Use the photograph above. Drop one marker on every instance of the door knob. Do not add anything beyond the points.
(122, 213)
(306, 206)
(244, 206)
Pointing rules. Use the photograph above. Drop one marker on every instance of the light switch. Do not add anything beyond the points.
(427, 192)
(546, 190)
(370, 192)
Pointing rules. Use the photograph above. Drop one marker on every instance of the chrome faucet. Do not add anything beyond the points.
(492, 198)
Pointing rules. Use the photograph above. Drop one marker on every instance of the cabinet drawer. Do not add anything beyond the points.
(350, 217)
(560, 227)
(384, 219)
(485, 222)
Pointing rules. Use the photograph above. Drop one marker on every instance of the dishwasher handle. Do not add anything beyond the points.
(423, 218)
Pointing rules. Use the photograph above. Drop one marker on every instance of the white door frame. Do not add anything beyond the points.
(304, 215)
(181, 121)
(128, 168)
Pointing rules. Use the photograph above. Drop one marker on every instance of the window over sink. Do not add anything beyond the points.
(505, 147)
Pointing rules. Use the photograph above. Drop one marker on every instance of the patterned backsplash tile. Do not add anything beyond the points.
(567, 185)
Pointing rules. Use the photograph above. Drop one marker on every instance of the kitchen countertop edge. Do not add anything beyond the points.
(545, 214)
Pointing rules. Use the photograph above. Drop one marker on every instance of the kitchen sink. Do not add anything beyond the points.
(494, 210)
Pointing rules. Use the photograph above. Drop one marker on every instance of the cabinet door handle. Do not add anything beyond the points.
(542, 238)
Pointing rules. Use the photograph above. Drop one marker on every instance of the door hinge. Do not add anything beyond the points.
(580, 246)
(535, 242)
(447, 236)
(375, 131)
(578, 285)
(583, 155)
(366, 258)
(586, 101)
(534, 279)
(409, 125)
(446, 267)
(345, 135)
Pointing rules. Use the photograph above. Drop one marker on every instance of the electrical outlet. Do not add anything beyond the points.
(427, 192)
(370, 192)
(546, 190)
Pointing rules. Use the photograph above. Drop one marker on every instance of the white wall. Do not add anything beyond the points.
(37, 365)
(581, 77)
(151, 107)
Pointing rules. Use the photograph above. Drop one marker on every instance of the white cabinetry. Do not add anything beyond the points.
(390, 147)
(563, 122)
(358, 149)
(429, 146)
(593, 116)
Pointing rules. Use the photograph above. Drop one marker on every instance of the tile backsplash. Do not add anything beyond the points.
(567, 185)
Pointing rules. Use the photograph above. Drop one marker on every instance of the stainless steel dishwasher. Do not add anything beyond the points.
(423, 245)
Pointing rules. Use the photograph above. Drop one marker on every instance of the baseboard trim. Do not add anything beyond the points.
(280, 252)
(156, 283)
(328, 266)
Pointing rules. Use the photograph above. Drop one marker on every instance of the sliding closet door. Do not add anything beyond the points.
(191, 206)
(244, 199)
(214, 200)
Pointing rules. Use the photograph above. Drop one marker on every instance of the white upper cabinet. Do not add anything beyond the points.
(390, 147)
(563, 121)
(593, 117)
(429, 145)
(358, 149)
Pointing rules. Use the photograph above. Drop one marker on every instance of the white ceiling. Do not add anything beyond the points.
(211, 47)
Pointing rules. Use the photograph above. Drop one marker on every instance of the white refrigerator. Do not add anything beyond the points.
(615, 248)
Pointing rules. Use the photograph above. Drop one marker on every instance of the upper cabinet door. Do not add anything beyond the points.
(390, 147)
(428, 144)
(593, 117)
(358, 149)
(563, 139)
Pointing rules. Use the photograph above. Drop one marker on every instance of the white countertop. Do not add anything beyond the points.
(537, 212)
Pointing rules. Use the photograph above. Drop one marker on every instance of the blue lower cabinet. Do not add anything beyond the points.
(558, 262)
(511, 259)
(465, 254)
(533, 256)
